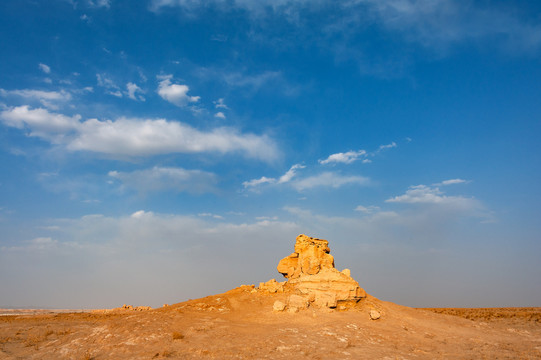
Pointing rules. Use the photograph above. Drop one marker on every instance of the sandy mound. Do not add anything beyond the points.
(246, 323)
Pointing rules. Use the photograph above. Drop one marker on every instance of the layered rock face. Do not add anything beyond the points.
(312, 277)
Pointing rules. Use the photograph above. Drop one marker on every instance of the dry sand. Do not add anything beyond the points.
(240, 324)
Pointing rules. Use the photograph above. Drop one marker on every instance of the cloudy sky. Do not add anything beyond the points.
(159, 150)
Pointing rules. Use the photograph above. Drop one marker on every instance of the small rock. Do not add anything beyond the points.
(374, 314)
(278, 306)
(272, 286)
(297, 301)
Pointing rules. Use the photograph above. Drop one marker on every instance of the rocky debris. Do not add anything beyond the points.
(312, 278)
(247, 288)
(374, 314)
(134, 308)
(122, 308)
(298, 302)
(272, 286)
(278, 306)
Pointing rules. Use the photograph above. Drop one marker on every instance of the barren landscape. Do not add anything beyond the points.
(318, 313)
(242, 325)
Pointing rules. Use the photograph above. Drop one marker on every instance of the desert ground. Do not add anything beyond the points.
(241, 324)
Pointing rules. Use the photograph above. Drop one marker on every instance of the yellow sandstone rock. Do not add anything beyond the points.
(311, 274)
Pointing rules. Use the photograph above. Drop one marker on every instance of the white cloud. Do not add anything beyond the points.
(132, 90)
(175, 93)
(141, 213)
(423, 194)
(443, 22)
(290, 174)
(49, 99)
(253, 81)
(45, 68)
(99, 3)
(257, 182)
(220, 104)
(325, 179)
(107, 83)
(41, 123)
(352, 156)
(214, 216)
(220, 115)
(435, 24)
(136, 137)
(167, 179)
(452, 182)
(367, 209)
(117, 93)
(346, 158)
(328, 179)
(387, 146)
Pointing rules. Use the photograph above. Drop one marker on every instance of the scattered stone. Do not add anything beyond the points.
(247, 288)
(374, 314)
(278, 306)
(133, 308)
(298, 301)
(272, 286)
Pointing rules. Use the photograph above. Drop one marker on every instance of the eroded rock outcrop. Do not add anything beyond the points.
(312, 278)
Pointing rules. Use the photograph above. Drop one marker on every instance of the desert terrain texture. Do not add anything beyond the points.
(319, 312)
(241, 324)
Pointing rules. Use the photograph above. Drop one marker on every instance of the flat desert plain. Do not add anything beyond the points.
(241, 324)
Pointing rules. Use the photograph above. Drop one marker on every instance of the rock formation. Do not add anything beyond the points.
(312, 278)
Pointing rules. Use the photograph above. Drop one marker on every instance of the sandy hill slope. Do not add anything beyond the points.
(319, 313)
(241, 324)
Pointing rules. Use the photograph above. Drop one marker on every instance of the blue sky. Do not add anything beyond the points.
(160, 150)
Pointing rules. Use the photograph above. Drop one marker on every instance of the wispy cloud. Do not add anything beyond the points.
(49, 99)
(367, 209)
(136, 137)
(99, 3)
(352, 156)
(45, 68)
(443, 22)
(285, 178)
(167, 179)
(175, 93)
(345, 158)
(386, 146)
(432, 195)
(329, 179)
(220, 104)
(254, 81)
(132, 90)
(107, 83)
(290, 174)
(268, 80)
(452, 182)
(433, 24)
